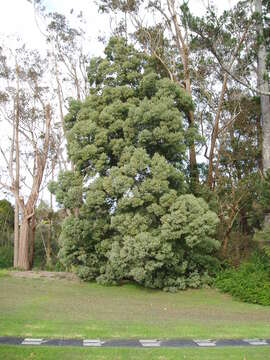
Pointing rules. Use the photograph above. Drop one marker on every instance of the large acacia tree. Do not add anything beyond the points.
(128, 144)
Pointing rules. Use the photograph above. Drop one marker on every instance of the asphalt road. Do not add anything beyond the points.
(144, 343)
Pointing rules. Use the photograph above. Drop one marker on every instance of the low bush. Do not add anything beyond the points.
(250, 282)
(6, 257)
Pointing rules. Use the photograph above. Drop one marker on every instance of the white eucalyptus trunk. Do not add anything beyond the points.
(17, 175)
(263, 85)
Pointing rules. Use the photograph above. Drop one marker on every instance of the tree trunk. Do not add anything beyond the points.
(225, 246)
(184, 54)
(28, 209)
(215, 131)
(193, 168)
(17, 175)
(49, 242)
(32, 241)
(23, 262)
(214, 135)
(16, 235)
(49, 250)
(265, 100)
(259, 143)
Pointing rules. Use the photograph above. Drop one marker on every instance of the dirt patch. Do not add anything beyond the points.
(51, 275)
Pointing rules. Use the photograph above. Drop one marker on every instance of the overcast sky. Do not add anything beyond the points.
(17, 18)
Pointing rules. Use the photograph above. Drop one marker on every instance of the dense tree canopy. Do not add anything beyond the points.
(128, 144)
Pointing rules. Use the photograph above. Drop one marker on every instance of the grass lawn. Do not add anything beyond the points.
(62, 308)
(30, 353)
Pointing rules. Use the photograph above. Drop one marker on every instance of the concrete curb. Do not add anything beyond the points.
(143, 343)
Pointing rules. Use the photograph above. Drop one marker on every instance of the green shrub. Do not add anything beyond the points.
(250, 282)
(130, 215)
(6, 256)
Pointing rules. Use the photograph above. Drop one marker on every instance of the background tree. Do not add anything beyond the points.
(6, 222)
(263, 80)
(222, 63)
(243, 80)
(6, 233)
(47, 233)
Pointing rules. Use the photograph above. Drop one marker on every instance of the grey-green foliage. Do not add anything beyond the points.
(68, 190)
(127, 141)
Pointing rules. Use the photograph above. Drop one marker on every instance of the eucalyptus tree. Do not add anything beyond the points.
(228, 42)
(66, 41)
(247, 27)
(227, 66)
(262, 9)
(11, 114)
(70, 56)
(29, 112)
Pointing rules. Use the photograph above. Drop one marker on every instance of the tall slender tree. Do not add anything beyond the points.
(263, 83)
(31, 126)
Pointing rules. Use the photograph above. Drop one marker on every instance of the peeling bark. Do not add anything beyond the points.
(32, 241)
(23, 261)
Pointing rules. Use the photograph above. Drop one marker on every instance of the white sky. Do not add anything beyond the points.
(17, 18)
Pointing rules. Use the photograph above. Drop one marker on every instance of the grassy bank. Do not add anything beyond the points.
(60, 308)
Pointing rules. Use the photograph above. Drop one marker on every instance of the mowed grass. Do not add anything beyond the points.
(19, 353)
(68, 309)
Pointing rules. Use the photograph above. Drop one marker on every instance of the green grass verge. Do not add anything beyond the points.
(4, 272)
(60, 308)
(31, 353)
